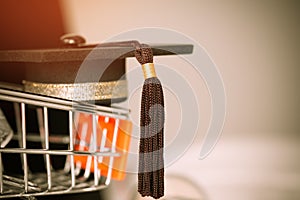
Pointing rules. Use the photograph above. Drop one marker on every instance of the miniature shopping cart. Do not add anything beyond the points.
(70, 178)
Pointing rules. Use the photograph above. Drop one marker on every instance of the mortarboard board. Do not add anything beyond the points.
(54, 72)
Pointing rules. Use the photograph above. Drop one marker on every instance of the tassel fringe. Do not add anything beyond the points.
(151, 161)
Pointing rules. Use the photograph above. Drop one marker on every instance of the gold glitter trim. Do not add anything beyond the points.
(149, 70)
(80, 91)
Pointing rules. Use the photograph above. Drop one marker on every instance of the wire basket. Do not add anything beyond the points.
(70, 178)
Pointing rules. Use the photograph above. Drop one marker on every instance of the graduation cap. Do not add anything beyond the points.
(54, 72)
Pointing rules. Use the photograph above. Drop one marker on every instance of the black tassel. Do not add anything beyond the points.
(151, 150)
(151, 156)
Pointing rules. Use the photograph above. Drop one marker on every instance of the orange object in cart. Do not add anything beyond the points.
(107, 128)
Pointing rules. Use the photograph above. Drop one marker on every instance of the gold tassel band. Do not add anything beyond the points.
(149, 70)
(80, 91)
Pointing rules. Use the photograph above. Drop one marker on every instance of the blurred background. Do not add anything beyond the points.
(255, 45)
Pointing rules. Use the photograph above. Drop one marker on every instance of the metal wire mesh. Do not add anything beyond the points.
(71, 178)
